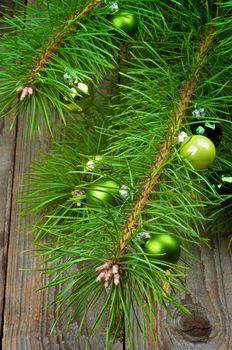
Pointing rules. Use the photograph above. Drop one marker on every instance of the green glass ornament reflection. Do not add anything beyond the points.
(125, 21)
(199, 151)
(164, 247)
(103, 192)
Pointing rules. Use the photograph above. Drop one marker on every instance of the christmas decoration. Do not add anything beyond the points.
(104, 192)
(199, 151)
(221, 182)
(125, 22)
(206, 127)
(113, 6)
(142, 237)
(199, 113)
(68, 78)
(78, 98)
(182, 136)
(164, 247)
(145, 87)
(92, 165)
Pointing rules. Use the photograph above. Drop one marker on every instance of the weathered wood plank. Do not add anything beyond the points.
(209, 299)
(7, 152)
(7, 149)
(27, 320)
(22, 302)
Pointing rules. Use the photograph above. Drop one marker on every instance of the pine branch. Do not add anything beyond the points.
(62, 31)
(166, 148)
(37, 50)
(108, 268)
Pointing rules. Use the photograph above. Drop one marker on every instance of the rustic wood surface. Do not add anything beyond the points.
(25, 320)
(209, 299)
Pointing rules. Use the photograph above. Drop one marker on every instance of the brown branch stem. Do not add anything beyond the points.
(62, 31)
(160, 160)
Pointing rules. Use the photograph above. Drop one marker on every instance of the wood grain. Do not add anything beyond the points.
(7, 149)
(22, 302)
(7, 153)
(27, 320)
(209, 299)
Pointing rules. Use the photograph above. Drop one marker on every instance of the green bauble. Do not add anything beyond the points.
(164, 247)
(125, 21)
(103, 192)
(199, 150)
(78, 98)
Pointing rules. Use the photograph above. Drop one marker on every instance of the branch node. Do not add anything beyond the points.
(109, 273)
(25, 91)
(106, 266)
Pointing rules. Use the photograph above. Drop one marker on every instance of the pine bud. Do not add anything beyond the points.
(115, 269)
(116, 279)
(30, 91)
(105, 266)
(108, 275)
(106, 284)
(24, 93)
(100, 277)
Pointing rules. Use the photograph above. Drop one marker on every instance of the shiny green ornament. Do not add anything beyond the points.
(199, 150)
(125, 21)
(103, 192)
(164, 247)
(78, 98)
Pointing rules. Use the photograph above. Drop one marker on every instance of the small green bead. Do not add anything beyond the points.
(164, 247)
(125, 21)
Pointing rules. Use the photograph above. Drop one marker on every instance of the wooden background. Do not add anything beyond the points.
(25, 320)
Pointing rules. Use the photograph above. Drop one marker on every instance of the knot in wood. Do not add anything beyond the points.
(195, 328)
